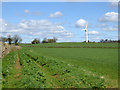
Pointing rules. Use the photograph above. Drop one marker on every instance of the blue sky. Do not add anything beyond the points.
(51, 19)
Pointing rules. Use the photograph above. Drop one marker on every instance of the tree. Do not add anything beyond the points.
(16, 39)
(106, 40)
(50, 40)
(35, 41)
(45, 40)
(55, 39)
(101, 40)
(9, 39)
(3, 39)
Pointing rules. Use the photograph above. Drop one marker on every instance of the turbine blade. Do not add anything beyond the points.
(83, 29)
(86, 26)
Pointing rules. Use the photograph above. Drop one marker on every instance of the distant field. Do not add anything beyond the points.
(75, 44)
(35, 67)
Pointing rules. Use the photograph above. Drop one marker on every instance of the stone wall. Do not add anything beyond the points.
(6, 48)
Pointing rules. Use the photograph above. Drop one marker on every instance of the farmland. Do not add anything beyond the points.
(74, 45)
(39, 67)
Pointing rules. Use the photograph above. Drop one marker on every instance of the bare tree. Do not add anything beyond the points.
(9, 39)
(16, 39)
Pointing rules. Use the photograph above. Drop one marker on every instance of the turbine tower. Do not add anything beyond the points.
(86, 33)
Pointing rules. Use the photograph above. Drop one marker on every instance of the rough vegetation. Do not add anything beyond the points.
(6, 48)
(34, 67)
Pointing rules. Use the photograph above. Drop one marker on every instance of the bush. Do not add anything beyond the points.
(35, 41)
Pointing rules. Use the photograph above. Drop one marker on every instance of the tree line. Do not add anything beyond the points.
(45, 40)
(105, 41)
(16, 40)
(109, 41)
(11, 40)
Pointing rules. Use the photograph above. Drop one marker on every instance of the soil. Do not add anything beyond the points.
(18, 67)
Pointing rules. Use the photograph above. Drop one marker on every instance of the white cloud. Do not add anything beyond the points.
(56, 15)
(115, 4)
(93, 32)
(115, 26)
(0, 24)
(81, 23)
(26, 11)
(33, 13)
(113, 0)
(3, 25)
(102, 25)
(96, 38)
(110, 29)
(109, 17)
(37, 13)
(40, 28)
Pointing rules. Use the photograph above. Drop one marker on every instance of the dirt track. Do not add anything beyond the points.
(18, 67)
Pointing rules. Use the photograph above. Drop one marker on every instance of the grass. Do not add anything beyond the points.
(75, 44)
(0, 74)
(66, 73)
(63, 67)
(8, 70)
(102, 61)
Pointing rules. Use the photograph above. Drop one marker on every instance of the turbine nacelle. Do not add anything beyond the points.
(86, 33)
(85, 28)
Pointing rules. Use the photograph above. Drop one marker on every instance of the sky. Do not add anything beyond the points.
(63, 20)
(60, 0)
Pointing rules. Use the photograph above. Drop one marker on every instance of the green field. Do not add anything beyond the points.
(75, 44)
(35, 67)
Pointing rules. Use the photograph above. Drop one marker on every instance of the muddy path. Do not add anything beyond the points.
(18, 67)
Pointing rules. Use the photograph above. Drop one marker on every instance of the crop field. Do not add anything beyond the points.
(35, 67)
(73, 45)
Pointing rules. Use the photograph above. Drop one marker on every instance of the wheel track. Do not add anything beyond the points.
(46, 72)
(18, 67)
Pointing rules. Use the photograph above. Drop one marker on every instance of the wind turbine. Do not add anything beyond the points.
(86, 33)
